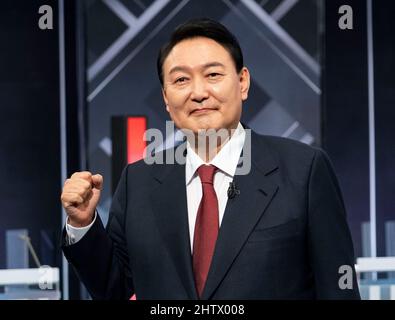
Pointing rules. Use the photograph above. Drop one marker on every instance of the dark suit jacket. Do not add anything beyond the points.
(285, 235)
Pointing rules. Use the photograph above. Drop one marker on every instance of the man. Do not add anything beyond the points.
(180, 232)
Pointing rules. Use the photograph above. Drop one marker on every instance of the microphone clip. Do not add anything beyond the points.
(232, 190)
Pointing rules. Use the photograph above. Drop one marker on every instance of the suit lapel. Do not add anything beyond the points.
(241, 215)
(170, 207)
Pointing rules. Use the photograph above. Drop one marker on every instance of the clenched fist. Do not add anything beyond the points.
(80, 196)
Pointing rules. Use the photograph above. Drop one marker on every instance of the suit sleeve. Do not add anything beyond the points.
(100, 258)
(329, 238)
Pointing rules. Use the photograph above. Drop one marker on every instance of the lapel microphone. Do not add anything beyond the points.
(232, 190)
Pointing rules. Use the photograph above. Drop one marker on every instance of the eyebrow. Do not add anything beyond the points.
(205, 66)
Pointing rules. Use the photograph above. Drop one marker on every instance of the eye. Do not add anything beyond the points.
(214, 75)
(181, 80)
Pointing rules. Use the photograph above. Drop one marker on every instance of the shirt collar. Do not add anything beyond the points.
(226, 160)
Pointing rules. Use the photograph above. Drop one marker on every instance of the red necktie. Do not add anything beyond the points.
(206, 227)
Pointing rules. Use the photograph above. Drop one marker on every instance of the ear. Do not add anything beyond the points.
(244, 77)
(165, 99)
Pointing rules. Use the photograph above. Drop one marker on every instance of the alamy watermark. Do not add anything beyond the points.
(346, 19)
(205, 143)
(346, 278)
(47, 278)
(46, 19)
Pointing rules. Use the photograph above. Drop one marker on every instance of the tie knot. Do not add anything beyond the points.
(206, 173)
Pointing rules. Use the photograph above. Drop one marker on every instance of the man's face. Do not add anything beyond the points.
(201, 87)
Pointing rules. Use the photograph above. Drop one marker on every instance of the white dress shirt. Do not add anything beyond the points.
(226, 161)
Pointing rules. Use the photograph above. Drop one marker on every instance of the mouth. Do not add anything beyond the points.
(199, 111)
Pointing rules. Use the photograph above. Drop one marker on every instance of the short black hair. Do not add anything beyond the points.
(201, 27)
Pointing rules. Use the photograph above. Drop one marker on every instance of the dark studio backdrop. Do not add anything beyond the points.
(309, 83)
(29, 129)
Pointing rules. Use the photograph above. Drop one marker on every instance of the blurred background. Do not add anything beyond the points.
(78, 93)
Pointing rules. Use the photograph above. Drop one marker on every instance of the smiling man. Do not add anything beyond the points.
(202, 87)
(200, 230)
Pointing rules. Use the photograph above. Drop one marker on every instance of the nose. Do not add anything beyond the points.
(199, 90)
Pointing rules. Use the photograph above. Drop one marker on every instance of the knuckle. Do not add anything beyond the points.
(77, 198)
(80, 192)
(82, 188)
(86, 174)
(86, 184)
(75, 174)
(67, 187)
(81, 174)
